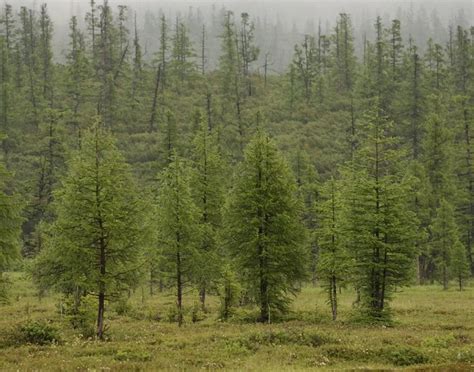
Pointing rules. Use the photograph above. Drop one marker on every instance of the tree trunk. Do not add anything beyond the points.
(333, 292)
(100, 316)
(202, 298)
(179, 285)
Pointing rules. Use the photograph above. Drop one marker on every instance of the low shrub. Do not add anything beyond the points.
(36, 332)
(406, 356)
(132, 356)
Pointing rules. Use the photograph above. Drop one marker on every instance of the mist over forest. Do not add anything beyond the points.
(253, 185)
(279, 24)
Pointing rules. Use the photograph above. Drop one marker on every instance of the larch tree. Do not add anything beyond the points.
(333, 260)
(444, 237)
(208, 191)
(460, 270)
(264, 233)
(380, 227)
(10, 228)
(178, 229)
(95, 244)
(308, 191)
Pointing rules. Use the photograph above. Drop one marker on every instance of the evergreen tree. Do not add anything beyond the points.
(263, 227)
(95, 244)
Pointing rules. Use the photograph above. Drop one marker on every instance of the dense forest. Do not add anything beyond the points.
(352, 169)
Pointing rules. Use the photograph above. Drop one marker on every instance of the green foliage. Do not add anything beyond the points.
(96, 242)
(229, 292)
(407, 356)
(333, 260)
(178, 227)
(264, 233)
(82, 315)
(208, 182)
(460, 264)
(39, 333)
(445, 237)
(10, 222)
(381, 230)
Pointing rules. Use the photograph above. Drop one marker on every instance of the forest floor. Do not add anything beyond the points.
(433, 330)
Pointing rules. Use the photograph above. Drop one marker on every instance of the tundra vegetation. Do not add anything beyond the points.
(162, 212)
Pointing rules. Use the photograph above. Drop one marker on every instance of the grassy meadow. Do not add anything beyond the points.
(433, 330)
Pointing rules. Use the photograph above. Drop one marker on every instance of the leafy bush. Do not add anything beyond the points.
(39, 333)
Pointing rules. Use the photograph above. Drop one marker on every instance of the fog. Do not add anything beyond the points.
(279, 24)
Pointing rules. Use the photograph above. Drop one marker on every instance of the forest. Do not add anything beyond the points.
(188, 209)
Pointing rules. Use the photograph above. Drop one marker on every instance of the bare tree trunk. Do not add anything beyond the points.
(333, 294)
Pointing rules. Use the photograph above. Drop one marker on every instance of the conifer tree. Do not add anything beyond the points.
(208, 191)
(308, 192)
(182, 65)
(459, 269)
(445, 237)
(178, 228)
(230, 73)
(46, 55)
(10, 225)
(95, 244)
(305, 67)
(333, 263)
(248, 50)
(78, 82)
(264, 233)
(463, 74)
(163, 51)
(380, 227)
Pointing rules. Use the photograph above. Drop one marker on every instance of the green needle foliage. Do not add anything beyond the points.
(264, 230)
(208, 191)
(380, 227)
(178, 228)
(95, 244)
(10, 223)
(444, 237)
(333, 260)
